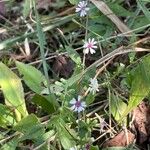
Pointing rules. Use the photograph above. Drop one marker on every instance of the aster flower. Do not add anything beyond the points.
(82, 8)
(89, 46)
(94, 85)
(77, 105)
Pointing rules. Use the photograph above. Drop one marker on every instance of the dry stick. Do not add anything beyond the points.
(108, 12)
(118, 51)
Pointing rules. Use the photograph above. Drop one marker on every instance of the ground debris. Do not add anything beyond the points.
(63, 66)
(142, 121)
(121, 139)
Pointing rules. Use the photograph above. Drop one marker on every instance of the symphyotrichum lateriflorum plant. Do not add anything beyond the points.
(77, 104)
(82, 8)
(90, 46)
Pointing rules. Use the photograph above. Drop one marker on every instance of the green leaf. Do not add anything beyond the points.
(119, 10)
(26, 8)
(30, 127)
(33, 78)
(73, 2)
(94, 147)
(117, 107)
(142, 6)
(13, 91)
(73, 55)
(11, 145)
(65, 137)
(73, 80)
(140, 86)
(42, 101)
(90, 98)
(7, 117)
(26, 123)
(117, 148)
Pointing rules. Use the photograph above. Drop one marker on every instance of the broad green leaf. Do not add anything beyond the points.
(13, 91)
(64, 136)
(7, 117)
(117, 107)
(30, 127)
(140, 86)
(33, 78)
(26, 123)
(42, 101)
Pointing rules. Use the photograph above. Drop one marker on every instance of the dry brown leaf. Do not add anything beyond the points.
(2, 8)
(142, 121)
(63, 66)
(43, 4)
(120, 140)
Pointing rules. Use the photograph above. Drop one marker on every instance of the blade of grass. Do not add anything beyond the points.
(142, 6)
(42, 42)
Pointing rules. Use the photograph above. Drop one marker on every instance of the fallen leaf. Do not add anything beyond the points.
(63, 66)
(120, 139)
(43, 4)
(2, 11)
(2, 8)
(142, 121)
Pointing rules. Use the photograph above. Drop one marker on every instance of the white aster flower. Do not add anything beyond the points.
(82, 8)
(94, 85)
(89, 46)
(77, 104)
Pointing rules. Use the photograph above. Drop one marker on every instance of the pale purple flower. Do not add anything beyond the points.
(82, 8)
(93, 85)
(90, 46)
(77, 104)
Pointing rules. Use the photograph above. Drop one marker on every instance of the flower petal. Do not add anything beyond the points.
(72, 107)
(73, 101)
(92, 51)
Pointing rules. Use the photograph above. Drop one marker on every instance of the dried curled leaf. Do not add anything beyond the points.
(142, 121)
(122, 139)
(43, 4)
(63, 66)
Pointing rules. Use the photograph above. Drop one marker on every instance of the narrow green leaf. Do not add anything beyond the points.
(146, 12)
(26, 8)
